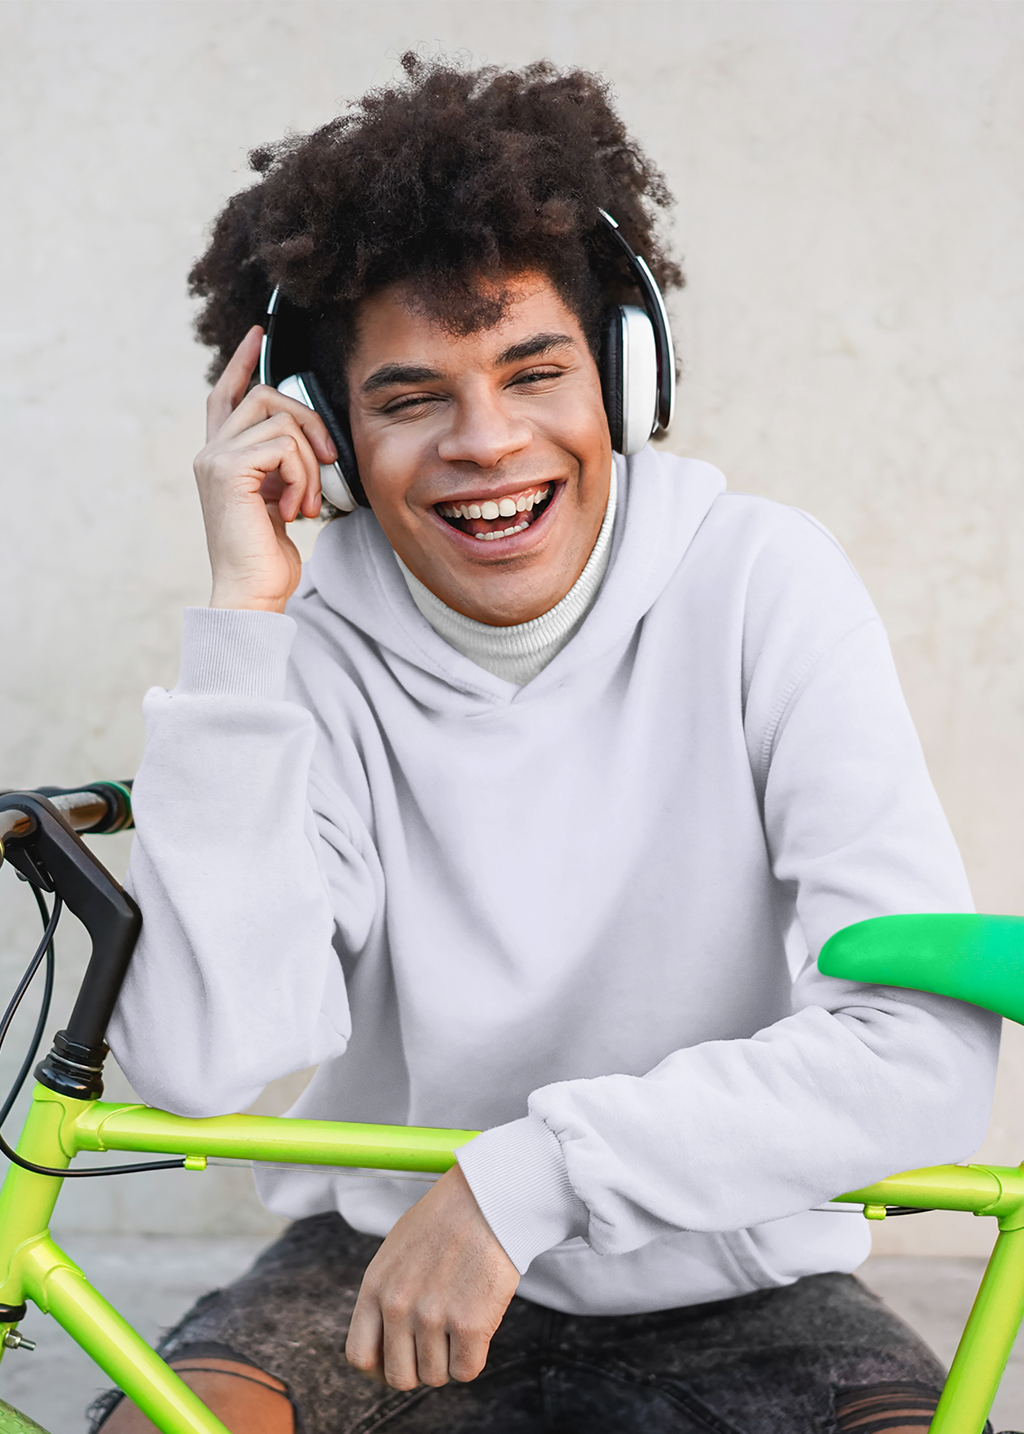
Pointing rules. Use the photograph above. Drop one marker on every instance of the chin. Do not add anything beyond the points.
(505, 599)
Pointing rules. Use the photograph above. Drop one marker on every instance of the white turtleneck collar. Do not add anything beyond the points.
(518, 654)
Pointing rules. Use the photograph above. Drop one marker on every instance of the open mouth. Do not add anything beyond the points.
(502, 516)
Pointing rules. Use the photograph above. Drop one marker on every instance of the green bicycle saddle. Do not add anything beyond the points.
(973, 958)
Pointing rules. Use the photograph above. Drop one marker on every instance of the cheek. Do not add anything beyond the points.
(389, 460)
(578, 423)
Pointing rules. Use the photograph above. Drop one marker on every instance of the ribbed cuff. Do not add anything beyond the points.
(233, 652)
(517, 1173)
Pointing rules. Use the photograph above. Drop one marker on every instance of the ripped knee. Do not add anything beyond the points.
(891, 1408)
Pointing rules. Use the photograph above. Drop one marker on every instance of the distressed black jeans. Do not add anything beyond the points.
(821, 1356)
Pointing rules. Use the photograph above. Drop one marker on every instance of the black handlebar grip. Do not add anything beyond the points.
(116, 796)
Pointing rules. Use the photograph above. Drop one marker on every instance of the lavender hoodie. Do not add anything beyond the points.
(580, 915)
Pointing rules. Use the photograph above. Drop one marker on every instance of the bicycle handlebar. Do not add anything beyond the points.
(100, 807)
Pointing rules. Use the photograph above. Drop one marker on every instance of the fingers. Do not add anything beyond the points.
(399, 1351)
(467, 1353)
(364, 1347)
(276, 470)
(299, 472)
(431, 1352)
(434, 1294)
(272, 457)
(262, 403)
(231, 410)
(404, 1347)
(229, 390)
(298, 486)
(396, 1340)
(232, 407)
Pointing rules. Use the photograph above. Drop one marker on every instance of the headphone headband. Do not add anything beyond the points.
(658, 315)
(268, 334)
(653, 302)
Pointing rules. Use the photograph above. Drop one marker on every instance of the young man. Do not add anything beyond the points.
(502, 814)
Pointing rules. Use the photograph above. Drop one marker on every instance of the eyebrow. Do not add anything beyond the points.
(390, 375)
(534, 347)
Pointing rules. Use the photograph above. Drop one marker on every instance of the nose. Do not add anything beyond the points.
(482, 431)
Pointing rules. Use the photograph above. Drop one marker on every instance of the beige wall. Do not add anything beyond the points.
(849, 178)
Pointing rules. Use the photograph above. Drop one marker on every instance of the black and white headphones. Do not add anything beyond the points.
(637, 365)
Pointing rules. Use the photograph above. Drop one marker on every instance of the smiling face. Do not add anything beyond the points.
(486, 457)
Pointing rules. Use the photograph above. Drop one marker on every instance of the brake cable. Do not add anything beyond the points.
(45, 948)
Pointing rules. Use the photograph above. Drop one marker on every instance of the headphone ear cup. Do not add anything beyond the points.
(639, 379)
(338, 428)
(612, 326)
(334, 483)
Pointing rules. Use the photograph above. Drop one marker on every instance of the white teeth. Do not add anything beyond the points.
(496, 508)
(505, 533)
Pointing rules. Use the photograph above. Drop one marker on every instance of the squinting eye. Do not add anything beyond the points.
(536, 377)
(398, 405)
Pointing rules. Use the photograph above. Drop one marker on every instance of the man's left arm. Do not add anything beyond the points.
(856, 1083)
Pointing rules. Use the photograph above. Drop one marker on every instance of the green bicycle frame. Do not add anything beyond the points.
(33, 1267)
(995, 1317)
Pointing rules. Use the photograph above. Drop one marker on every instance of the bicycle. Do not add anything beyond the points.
(979, 959)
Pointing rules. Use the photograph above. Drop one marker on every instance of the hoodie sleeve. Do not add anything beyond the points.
(858, 1082)
(226, 990)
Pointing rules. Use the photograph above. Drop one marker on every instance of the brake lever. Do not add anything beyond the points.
(51, 855)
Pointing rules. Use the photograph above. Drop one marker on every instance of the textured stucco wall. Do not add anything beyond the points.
(849, 178)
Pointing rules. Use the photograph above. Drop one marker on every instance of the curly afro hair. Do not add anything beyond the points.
(443, 179)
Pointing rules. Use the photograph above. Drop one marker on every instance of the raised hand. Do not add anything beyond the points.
(259, 470)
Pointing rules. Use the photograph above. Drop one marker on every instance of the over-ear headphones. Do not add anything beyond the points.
(637, 366)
